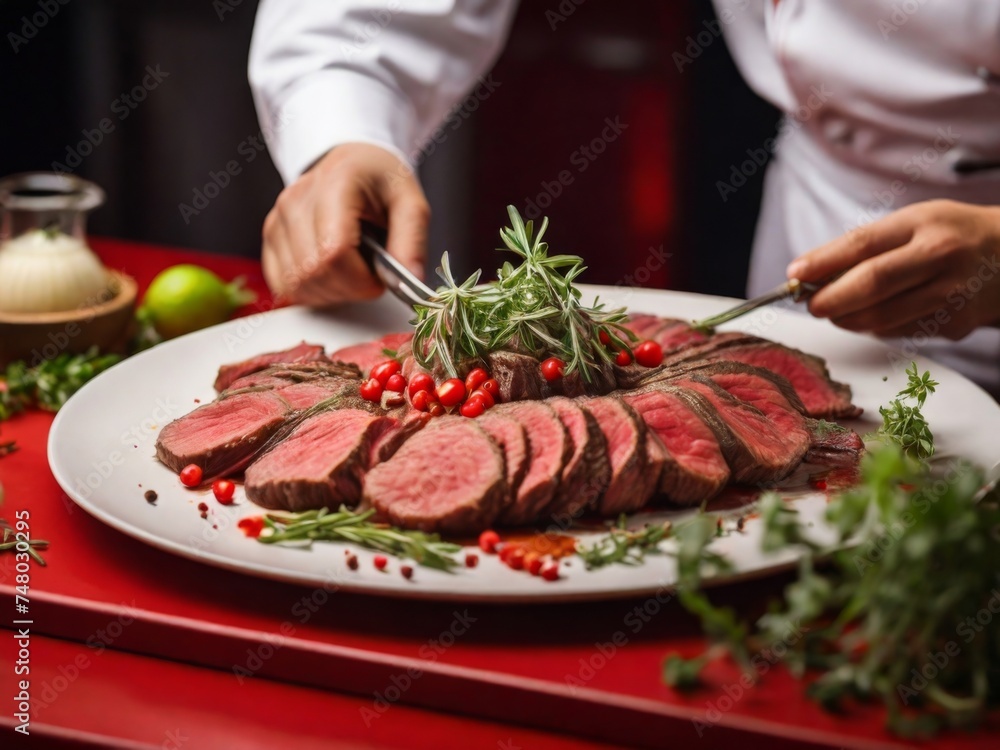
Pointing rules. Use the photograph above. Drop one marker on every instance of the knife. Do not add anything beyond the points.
(396, 277)
(797, 291)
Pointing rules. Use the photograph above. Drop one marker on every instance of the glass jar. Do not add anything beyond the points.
(45, 263)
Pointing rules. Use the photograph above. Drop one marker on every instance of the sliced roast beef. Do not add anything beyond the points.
(587, 473)
(625, 434)
(510, 435)
(642, 324)
(756, 450)
(408, 422)
(280, 375)
(833, 445)
(300, 353)
(688, 427)
(807, 374)
(449, 477)
(550, 449)
(518, 375)
(677, 335)
(320, 464)
(370, 353)
(222, 433)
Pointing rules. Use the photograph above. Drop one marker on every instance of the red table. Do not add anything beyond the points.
(162, 636)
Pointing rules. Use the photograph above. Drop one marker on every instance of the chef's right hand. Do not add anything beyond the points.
(311, 235)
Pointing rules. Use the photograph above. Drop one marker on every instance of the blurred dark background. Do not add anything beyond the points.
(65, 67)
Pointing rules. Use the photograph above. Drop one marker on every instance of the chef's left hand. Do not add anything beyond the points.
(936, 260)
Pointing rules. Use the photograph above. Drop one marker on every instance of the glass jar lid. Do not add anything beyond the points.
(49, 191)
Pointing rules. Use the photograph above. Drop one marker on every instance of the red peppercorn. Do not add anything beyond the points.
(251, 526)
(550, 571)
(604, 338)
(371, 390)
(533, 563)
(422, 400)
(380, 562)
(476, 378)
(649, 354)
(191, 475)
(223, 490)
(488, 541)
(623, 358)
(396, 383)
(515, 560)
(352, 562)
(407, 572)
(383, 371)
(421, 381)
(553, 368)
(492, 387)
(472, 408)
(484, 396)
(471, 560)
(451, 392)
(435, 409)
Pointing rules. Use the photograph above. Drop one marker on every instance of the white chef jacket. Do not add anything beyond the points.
(887, 102)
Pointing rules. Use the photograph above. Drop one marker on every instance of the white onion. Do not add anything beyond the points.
(42, 271)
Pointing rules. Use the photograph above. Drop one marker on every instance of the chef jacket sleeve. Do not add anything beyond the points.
(325, 72)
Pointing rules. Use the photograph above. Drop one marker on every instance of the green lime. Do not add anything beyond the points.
(187, 298)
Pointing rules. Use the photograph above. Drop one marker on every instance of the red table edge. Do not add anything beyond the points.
(541, 704)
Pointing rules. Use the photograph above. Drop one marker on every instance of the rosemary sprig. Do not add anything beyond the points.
(624, 546)
(903, 423)
(10, 543)
(347, 526)
(532, 308)
(50, 384)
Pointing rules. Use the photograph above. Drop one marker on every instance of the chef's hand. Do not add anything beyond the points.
(311, 235)
(933, 261)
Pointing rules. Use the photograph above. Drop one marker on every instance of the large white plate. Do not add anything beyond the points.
(101, 449)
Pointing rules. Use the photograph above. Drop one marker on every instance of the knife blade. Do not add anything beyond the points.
(396, 277)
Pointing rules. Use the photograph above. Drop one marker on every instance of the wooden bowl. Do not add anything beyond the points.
(34, 337)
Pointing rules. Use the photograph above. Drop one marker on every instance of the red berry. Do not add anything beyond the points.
(475, 379)
(422, 400)
(550, 571)
(435, 409)
(451, 392)
(420, 382)
(604, 338)
(471, 560)
(515, 560)
(251, 526)
(488, 541)
(552, 368)
(191, 475)
(472, 408)
(649, 354)
(492, 387)
(383, 371)
(380, 561)
(407, 572)
(484, 396)
(533, 563)
(371, 390)
(623, 358)
(820, 484)
(223, 490)
(396, 383)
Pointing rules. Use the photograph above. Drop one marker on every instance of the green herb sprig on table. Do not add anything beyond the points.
(533, 308)
(915, 562)
(347, 526)
(11, 544)
(49, 384)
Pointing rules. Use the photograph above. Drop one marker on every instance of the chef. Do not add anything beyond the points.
(886, 169)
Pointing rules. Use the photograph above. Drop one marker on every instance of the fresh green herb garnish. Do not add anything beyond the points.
(533, 308)
(49, 384)
(903, 423)
(11, 544)
(347, 526)
(896, 612)
(624, 546)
